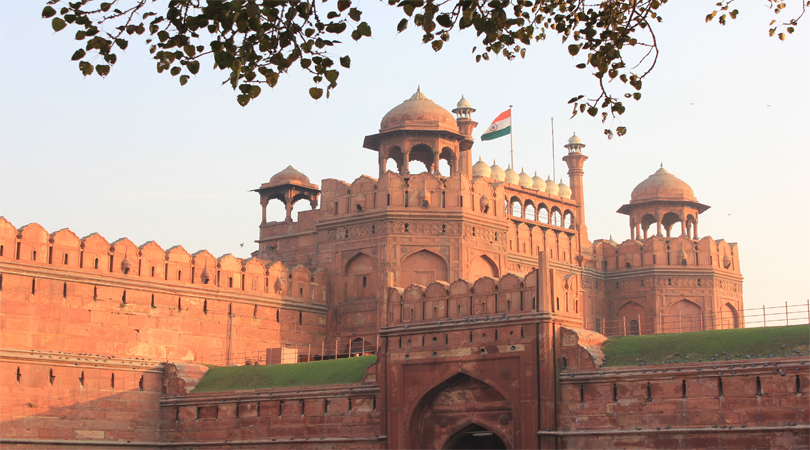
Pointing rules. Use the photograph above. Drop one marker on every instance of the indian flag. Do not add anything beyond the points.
(501, 126)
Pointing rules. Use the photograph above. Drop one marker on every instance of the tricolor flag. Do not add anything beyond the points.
(501, 126)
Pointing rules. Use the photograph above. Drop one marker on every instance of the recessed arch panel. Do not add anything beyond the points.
(423, 267)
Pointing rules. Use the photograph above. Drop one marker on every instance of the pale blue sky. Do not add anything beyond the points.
(137, 155)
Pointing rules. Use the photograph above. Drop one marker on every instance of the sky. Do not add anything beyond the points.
(136, 155)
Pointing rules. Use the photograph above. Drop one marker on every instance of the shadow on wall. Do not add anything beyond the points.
(132, 416)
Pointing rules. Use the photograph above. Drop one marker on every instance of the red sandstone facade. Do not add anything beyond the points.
(479, 284)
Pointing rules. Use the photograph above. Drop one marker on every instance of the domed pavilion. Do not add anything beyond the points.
(420, 130)
(664, 200)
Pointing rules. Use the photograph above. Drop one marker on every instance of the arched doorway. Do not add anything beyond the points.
(475, 436)
(423, 267)
(462, 412)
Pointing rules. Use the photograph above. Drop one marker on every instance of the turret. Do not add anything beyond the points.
(466, 126)
(576, 160)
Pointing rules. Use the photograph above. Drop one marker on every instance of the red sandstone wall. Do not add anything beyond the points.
(53, 396)
(340, 416)
(647, 407)
(68, 308)
(56, 296)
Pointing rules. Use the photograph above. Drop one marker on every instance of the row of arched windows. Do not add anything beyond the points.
(541, 213)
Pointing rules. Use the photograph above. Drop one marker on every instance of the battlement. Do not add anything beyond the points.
(657, 251)
(545, 291)
(93, 254)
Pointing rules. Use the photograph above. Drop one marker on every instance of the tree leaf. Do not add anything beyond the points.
(345, 61)
(48, 12)
(183, 80)
(315, 93)
(102, 69)
(58, 24)
(86, 68)
(78, 55)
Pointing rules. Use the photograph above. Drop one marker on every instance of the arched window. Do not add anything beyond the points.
(530, 212)
(556, 218)
(568, 219)
(517, 209)
(634, 331)
(542, 214)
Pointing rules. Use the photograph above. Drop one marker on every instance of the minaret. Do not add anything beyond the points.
(466, 125)
(576, 160)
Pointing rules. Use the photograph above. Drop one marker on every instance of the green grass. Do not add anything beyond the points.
(318, 373)
(704, 345)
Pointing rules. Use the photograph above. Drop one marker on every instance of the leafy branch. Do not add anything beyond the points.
(254, 41)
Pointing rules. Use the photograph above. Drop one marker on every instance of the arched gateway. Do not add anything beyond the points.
(462, 412)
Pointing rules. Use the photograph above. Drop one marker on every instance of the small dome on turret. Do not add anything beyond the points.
(510, 176)
(525, 180)
(287, 176)
(551, 187)
(565, 191)
(481, 169)
(497, 172)
(574, 144)
(463, 103)
(538, 183)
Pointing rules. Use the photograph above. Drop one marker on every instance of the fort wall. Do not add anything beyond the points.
(758, 403)
(337, 416)
(115, 312)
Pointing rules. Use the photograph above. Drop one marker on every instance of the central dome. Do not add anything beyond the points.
(662, 186)
(419, 113)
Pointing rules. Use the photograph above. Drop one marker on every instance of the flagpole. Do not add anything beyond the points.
(511, 139)
(553, 159)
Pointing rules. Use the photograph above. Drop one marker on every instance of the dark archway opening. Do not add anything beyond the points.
(475, 437)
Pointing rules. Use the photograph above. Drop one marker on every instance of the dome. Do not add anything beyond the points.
(289, 175)
(497, 173)
(565, 191)
(662, 186)
(574, 139)
(463, 103)
(419, 113)
(538, 183)
(510, 176)
(481, 169)
(525, 180)
(551, 187)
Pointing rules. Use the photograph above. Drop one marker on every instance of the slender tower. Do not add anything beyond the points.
(576, 160)
(466, 125)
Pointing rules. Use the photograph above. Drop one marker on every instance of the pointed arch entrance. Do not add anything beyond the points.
(475, 436)
(462, 412)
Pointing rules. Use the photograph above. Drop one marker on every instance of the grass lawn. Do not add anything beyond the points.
(317, 373)
(721, 345)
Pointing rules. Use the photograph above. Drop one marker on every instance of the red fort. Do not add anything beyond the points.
(478, 289)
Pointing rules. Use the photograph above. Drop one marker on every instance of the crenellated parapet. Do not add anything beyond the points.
(545, 291)
(659, 251)
(32, 245)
